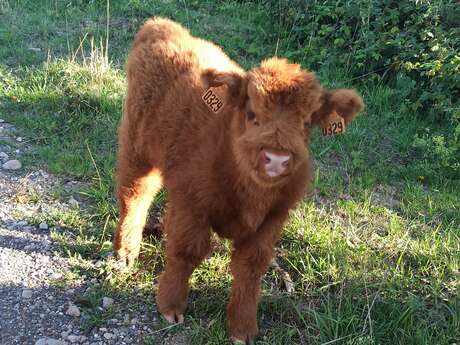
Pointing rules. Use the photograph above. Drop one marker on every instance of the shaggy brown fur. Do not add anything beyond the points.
(237, 172)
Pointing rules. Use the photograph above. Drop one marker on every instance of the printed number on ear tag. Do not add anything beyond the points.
(335, 125)
(212, 99)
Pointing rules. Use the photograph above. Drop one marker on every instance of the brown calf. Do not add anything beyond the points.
(236, 165)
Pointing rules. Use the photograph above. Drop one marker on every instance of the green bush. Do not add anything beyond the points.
(414, 45)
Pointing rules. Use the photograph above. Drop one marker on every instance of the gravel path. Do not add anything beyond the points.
(32, 310)
(35, 306)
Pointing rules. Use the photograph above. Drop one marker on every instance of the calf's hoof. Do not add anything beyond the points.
(237, 341)
(125, 258)
(242, 326)
(174, 318)
(244, 336)
(171, 299)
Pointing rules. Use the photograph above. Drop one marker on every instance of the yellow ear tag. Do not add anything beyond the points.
(213, 99)
(335, 124)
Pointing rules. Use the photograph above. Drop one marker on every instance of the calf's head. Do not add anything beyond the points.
(273, 108)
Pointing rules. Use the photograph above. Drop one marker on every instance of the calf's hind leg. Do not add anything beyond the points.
(137, 185)
(187, 244)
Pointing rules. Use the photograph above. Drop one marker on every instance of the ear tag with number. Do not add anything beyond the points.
(213, 99)
(335, 124)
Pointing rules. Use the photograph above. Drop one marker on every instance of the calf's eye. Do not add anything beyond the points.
(250, 115)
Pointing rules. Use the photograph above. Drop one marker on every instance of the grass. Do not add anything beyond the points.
(374, 254)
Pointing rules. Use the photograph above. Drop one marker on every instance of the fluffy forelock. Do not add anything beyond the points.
(278, 81)
(277, 76)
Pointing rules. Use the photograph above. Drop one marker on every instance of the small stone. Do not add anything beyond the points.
(108, 336)
(73, 310)
(76, 338)
(13, 164)
(19, 139)
(4, 155)
(73, 202)
(21, 223)
(49, 341)
(70, 291)
(43, 226)
(27, 293)
(73, 338)
(56, 275)
(133, 320)
(1, 120)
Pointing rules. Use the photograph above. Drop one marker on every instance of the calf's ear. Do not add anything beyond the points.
(347, 103)
(234, 82)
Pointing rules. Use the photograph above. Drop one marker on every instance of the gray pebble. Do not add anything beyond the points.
(73, 202)
(27, 293)
(49, 341)
(73, 310)
(13, 164)
(76, 338)
(55, 276)
(43, 226)
(108, 336)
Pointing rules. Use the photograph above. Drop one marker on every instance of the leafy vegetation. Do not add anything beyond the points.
(413, 46)
(374, 253)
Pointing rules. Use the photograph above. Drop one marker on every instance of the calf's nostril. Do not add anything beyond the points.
(267, 158)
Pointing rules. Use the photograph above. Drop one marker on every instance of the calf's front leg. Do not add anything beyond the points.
(187, 244)
(250, 260)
